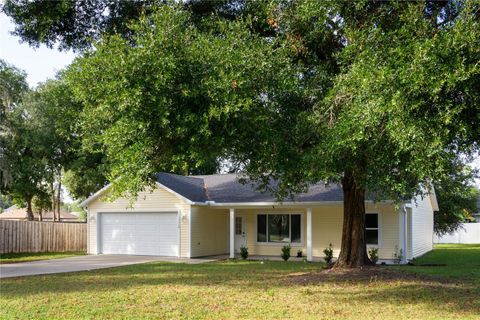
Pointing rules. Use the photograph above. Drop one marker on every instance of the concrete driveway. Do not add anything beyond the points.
(82, 263)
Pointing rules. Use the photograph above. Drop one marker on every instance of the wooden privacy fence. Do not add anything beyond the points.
(34, 236)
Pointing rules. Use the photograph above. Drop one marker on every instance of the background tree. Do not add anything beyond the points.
(5, 202)
(55, 116)
(13, 86)
(457, 198)
(44, 143)
(21, 172)
(54, 113)
(26, 168)
(42, 203)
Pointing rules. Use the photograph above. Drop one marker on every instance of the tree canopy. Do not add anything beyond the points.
(174, 95)
(381, 96)
(77, 24)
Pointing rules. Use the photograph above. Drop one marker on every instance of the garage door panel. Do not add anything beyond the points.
(149, 227)
(139, 233)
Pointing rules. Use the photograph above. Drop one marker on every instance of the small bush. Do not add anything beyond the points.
(286, 252)
(373, 255)
(328, 254)
(299, 253)
(244, 252)
(397, 255)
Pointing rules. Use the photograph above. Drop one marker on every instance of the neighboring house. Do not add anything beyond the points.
(195, 216)
(14, 207)
(15, 213)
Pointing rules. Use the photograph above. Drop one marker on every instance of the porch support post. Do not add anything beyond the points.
(232, 233)
(309, 235)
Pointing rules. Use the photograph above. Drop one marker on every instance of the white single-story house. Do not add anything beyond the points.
(197, 216)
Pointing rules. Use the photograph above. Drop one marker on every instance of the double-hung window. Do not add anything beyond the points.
(279, 228)
(372, 230)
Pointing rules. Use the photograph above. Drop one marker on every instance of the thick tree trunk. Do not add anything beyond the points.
(40, 216)
(29, 209)
(353, 252)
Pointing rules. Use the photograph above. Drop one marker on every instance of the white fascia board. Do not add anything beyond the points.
(94, 196)
(433, 199)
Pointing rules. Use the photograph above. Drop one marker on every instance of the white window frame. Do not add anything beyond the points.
(379, 229)
(293, 244)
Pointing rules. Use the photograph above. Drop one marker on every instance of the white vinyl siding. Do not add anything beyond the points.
(422, 226)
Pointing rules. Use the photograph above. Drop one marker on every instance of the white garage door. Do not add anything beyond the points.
(139, 233)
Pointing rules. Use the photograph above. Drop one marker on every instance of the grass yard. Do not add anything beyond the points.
(462, 263)
(26, 257)
(239, 289)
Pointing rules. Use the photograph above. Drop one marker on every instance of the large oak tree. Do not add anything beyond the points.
(400, 105)
(380, 96)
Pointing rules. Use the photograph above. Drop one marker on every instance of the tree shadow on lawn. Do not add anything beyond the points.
(154, 274)
(377, 284)
(384, 284)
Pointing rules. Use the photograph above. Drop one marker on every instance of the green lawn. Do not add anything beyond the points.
(238, 289)
(462, 263)
(25, 257)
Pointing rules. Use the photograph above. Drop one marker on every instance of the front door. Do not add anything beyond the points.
(239, 233)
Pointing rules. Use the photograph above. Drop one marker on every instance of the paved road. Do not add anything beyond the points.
(82, 263)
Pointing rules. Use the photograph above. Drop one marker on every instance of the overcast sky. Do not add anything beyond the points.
(43, 63)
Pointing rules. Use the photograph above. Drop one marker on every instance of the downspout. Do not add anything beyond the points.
(403, 233)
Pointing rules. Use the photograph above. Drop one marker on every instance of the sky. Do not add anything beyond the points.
(43, 63)
(40, 64)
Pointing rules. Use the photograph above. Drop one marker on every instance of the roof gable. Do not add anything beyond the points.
(166, 187)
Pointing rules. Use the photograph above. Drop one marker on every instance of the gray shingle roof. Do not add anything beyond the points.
(191, 188)
(226, 188)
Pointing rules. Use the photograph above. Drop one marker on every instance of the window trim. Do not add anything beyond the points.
(380, 230)
(292, 244)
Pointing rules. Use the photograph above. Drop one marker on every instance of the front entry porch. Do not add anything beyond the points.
(265, 231)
